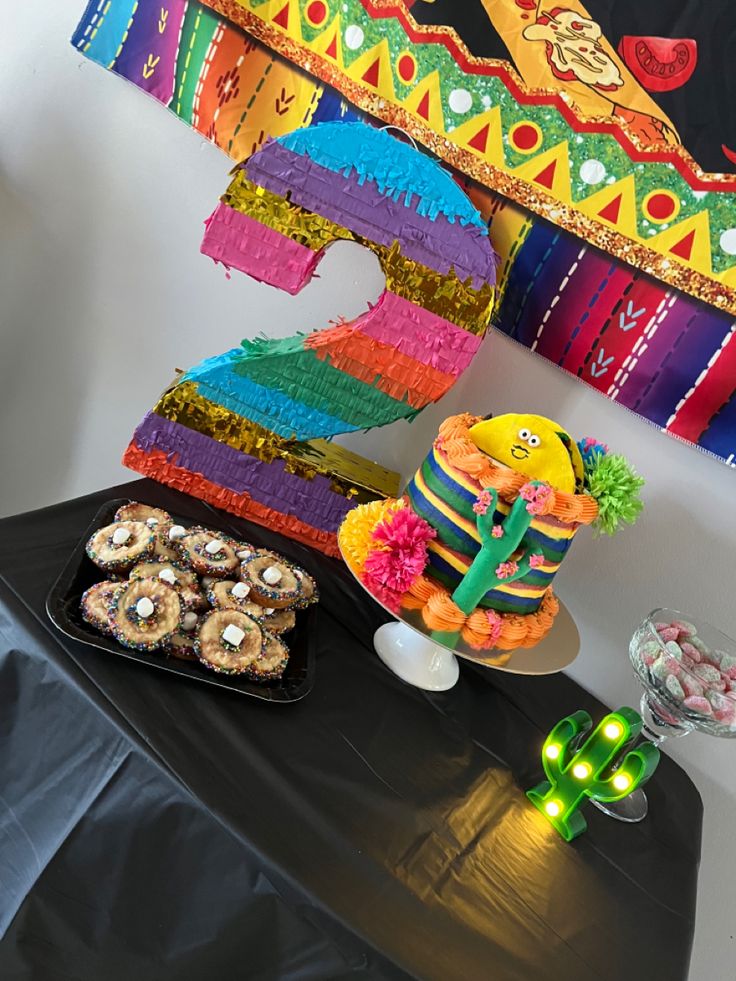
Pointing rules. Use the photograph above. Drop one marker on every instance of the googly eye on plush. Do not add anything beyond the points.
(534, 440)
(524, 434)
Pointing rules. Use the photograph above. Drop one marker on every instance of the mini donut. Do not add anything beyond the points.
(256, 571)
(163, 548)
(279, 622)
(199, 530)
(135, 542)
(131, 626)
(244, 550)
(272, 661)
(181, 646)
(193, 551)
(214, 649)
(221, 536)
(185, 582)
(310, 592)
(193, 596)
(153, 517)
(95, 604)
(220, 595)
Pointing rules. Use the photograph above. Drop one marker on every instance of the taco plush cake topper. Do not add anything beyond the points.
(534, 446)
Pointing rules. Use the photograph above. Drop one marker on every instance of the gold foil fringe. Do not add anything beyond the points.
(351, 475)
(443, 294)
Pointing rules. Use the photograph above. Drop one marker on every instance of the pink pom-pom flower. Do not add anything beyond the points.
(535, 561)
(507, 569)
(537, 497)
(390, 598)
(497, 531)
(400, 555)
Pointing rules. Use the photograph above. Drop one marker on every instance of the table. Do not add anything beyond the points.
(155, 828)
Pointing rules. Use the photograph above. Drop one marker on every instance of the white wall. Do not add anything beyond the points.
(103, 293)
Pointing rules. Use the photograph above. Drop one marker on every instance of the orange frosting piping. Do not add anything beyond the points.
(440, 613)
(419, 593)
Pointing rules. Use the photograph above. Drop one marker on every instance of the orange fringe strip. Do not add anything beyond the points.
(462, 453)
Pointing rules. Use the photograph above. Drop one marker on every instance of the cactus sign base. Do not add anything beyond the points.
(415, 659)
(630, 810)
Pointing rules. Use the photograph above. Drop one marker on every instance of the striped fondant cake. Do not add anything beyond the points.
(444, 495)
(483, 526)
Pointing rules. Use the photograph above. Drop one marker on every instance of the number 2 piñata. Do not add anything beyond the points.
(247, 430)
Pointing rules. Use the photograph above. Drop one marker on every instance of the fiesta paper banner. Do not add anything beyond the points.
(661, 353)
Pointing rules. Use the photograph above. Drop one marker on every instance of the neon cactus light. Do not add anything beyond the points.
(576, 771)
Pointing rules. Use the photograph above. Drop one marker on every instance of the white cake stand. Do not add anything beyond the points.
(408, 648)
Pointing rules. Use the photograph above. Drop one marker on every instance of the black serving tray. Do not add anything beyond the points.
(62, 606)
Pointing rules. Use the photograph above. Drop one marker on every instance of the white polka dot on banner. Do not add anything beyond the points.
(592, 171)
(460, 100)
(354, 36)
(728, 241)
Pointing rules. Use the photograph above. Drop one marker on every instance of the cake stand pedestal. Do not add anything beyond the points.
(413, 653)
(417, 660)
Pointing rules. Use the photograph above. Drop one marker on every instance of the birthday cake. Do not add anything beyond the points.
(485, 523)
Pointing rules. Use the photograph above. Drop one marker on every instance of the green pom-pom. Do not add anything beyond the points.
(615, 485)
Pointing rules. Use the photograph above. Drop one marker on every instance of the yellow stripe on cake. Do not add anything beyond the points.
(458, 476)
(546, 525)
(461, 565)
(468, 527)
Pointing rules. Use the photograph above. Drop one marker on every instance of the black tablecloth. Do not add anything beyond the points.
(152, 827)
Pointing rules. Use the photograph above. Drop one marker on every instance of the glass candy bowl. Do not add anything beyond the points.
(688, 670)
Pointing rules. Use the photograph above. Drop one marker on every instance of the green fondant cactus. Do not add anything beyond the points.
(499, 541)
(587, 771)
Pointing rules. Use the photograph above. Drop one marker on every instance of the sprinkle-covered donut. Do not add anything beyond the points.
(244, 550)
(183, 580)
(271, 579)
(118, 546)
(95, 604)
(228, 641)
(144, 613)
(310, 592)
(272, 661)
(225, 594)
(278, 622)
(163, 546)
(208, 554)
(181, 645)
(153, 517)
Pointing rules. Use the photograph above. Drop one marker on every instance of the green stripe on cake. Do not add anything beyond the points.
(446, 531)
